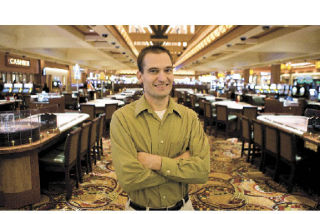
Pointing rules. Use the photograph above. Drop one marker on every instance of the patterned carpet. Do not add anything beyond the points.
(233, 185)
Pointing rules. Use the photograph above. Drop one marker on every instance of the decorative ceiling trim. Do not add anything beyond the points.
(126, 37)
(217, 33)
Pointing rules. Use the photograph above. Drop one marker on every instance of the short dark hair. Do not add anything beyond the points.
(151, 49)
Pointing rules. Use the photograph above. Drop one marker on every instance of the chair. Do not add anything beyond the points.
(209, 116)
(258, 141)
(250, 112)
(92, 142)
(180, 97)
(88, 109)
(186, 99)
(63, 161)
(70, 103)
(288, 155)
(201, 106)
(193, 102)
(246, 135)
(100, 133)
(272, 148)
(223, 118)
(109, 110)
(83, 148)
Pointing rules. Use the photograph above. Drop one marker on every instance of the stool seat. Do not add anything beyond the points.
(53, 157)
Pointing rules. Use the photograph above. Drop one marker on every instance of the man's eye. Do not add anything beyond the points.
(153, 70)
(168, 70)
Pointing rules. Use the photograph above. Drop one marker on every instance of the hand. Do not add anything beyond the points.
(150, 161)
(184, 155)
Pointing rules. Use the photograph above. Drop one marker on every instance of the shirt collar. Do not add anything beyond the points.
(143, 105)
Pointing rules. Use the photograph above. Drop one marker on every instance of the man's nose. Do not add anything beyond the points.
(162, 76)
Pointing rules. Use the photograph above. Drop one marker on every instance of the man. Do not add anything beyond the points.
(158, 146)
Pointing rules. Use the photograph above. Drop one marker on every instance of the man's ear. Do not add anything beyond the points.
(139, 76)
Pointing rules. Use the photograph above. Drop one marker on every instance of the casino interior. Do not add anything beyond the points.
(255, 88)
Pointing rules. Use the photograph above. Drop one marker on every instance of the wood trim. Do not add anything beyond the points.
(234, 33)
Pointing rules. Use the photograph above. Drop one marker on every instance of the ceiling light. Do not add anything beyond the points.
(91, 30)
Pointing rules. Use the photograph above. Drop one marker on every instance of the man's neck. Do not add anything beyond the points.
(157, 104)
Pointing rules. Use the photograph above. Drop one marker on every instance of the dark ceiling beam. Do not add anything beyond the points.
(170, 48)
(171, 37)
(159, 31)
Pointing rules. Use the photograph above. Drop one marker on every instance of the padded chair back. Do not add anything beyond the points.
(84, 138)
(68, 99)
(207, 109)
(93, 132)
(258, 132)
(222, 113)
(51, 108)
(245, 128)
(101, 125)
(250, 112)
(71, 147)
(271, 139)
(88, 109)
(193, 100)
(311, 112)
(110, 109)
(288, 148)
(201, 104)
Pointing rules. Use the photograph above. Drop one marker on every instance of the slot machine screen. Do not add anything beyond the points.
(302, 91)
(312, 92)
(5, 90)
(294, 90)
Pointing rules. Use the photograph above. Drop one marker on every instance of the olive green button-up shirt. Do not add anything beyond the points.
(137, 128)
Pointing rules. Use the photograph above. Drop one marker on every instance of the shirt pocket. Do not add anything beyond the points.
(178, 143)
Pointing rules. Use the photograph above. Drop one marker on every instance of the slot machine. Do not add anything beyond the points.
(313, 94)
(7, 89)
(27, 88)
(17, 88)
(257, 89)
(273, 88)
(280, 89)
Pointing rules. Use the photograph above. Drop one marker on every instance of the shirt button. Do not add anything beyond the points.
(168, 171)
(161, 141)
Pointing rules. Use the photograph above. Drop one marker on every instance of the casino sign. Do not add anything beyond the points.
(17, 62)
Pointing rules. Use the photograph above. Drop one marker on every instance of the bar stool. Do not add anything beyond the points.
(88, 109)
(92, 143)
(258, 142)
(224, 118)
(100, 128)
(246, 136)
(83, 148)
(272, 150)
(63, 161)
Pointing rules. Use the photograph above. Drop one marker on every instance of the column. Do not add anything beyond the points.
(275, 73)
(246, 75)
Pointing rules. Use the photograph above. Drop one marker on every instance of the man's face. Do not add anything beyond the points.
(157, 76)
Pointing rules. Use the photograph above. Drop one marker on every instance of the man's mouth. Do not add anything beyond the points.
(161, 85)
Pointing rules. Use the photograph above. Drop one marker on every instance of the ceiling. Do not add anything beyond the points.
(202, 48)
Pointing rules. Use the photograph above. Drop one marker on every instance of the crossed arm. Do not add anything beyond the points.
(153, 162)
(138, 170)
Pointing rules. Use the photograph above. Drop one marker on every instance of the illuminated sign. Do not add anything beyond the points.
(77, 73)
(17, 62)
